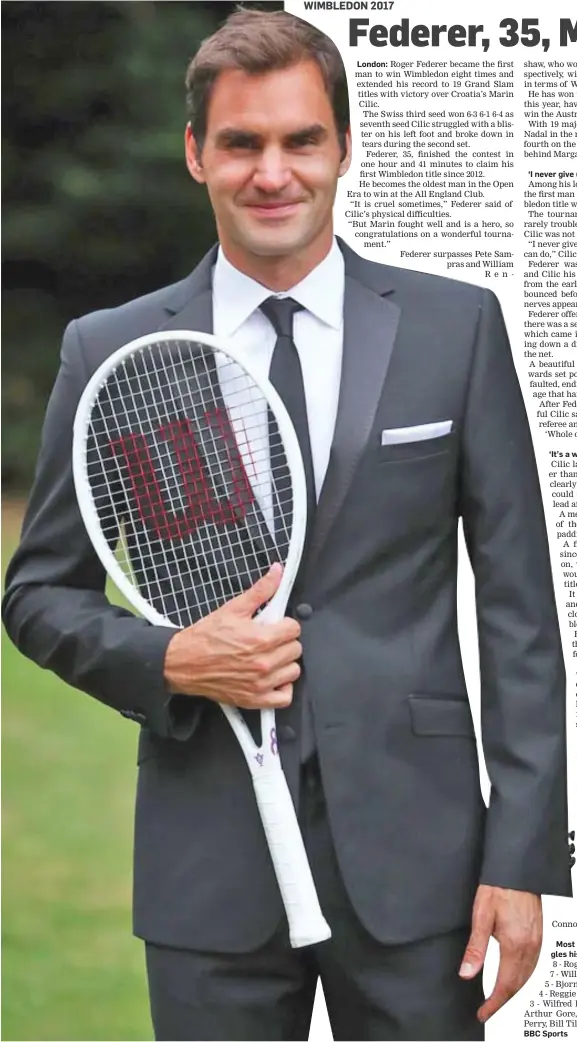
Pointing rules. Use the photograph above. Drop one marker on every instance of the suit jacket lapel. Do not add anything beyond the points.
(370, 326)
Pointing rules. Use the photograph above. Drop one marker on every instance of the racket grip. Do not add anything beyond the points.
(306, 922)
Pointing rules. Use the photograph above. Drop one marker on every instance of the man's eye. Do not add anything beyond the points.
(304, 142)
(243, 143)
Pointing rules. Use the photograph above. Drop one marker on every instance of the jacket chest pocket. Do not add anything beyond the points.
(411, 486)
(415, 450)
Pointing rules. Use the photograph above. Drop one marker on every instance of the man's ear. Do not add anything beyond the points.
(347, 153)
(193, 156)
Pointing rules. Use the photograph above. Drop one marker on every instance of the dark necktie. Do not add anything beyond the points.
(286, 377)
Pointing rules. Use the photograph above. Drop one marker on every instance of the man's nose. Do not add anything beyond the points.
(272, 172)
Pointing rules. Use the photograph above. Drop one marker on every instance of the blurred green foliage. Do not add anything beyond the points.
(70, 968)
(99, 206)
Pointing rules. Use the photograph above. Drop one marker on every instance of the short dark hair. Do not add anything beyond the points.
(259, 41)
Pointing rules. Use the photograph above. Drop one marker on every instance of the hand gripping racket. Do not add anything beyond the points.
(191, 484)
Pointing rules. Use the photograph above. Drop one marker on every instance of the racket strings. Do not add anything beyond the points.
(188, 477)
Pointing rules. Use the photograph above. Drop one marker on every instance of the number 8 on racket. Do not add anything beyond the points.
(190, 482)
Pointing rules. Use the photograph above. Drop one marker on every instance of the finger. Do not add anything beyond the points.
(287, 675)
(477, 944)
(276, 634)
(514, 971)
(280, 698)
(270, 679)
(263, 589)
(284, 655)
(497, 999)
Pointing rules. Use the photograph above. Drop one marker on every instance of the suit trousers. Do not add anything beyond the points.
(372, 991)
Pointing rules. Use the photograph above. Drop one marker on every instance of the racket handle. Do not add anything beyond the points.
(307, 925)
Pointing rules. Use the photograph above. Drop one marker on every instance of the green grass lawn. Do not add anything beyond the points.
(71, 968)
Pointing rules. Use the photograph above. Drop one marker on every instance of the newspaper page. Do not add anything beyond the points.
(464, 125)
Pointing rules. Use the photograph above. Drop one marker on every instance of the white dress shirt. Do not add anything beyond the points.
(318, 336)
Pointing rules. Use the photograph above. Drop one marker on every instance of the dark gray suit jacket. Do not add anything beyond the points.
(382, 663)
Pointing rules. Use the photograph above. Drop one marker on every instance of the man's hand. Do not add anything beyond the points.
(230, 657)
(515, 919)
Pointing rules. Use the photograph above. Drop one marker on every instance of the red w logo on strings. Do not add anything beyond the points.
(196, 487)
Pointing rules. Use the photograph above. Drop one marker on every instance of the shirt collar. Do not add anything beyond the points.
(321, 292)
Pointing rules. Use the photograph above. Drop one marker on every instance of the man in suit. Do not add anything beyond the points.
(414, 420)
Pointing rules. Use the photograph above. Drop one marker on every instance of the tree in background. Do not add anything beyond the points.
(99, 206)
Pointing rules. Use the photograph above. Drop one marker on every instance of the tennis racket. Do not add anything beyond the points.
(190, 482)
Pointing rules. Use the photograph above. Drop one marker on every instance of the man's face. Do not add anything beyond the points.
(271, 161)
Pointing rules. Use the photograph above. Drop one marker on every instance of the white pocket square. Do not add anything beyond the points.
(423, 432)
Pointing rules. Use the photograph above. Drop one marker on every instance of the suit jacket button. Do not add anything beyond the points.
(303, 611)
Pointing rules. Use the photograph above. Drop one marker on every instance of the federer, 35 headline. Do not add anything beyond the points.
(403, 34)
